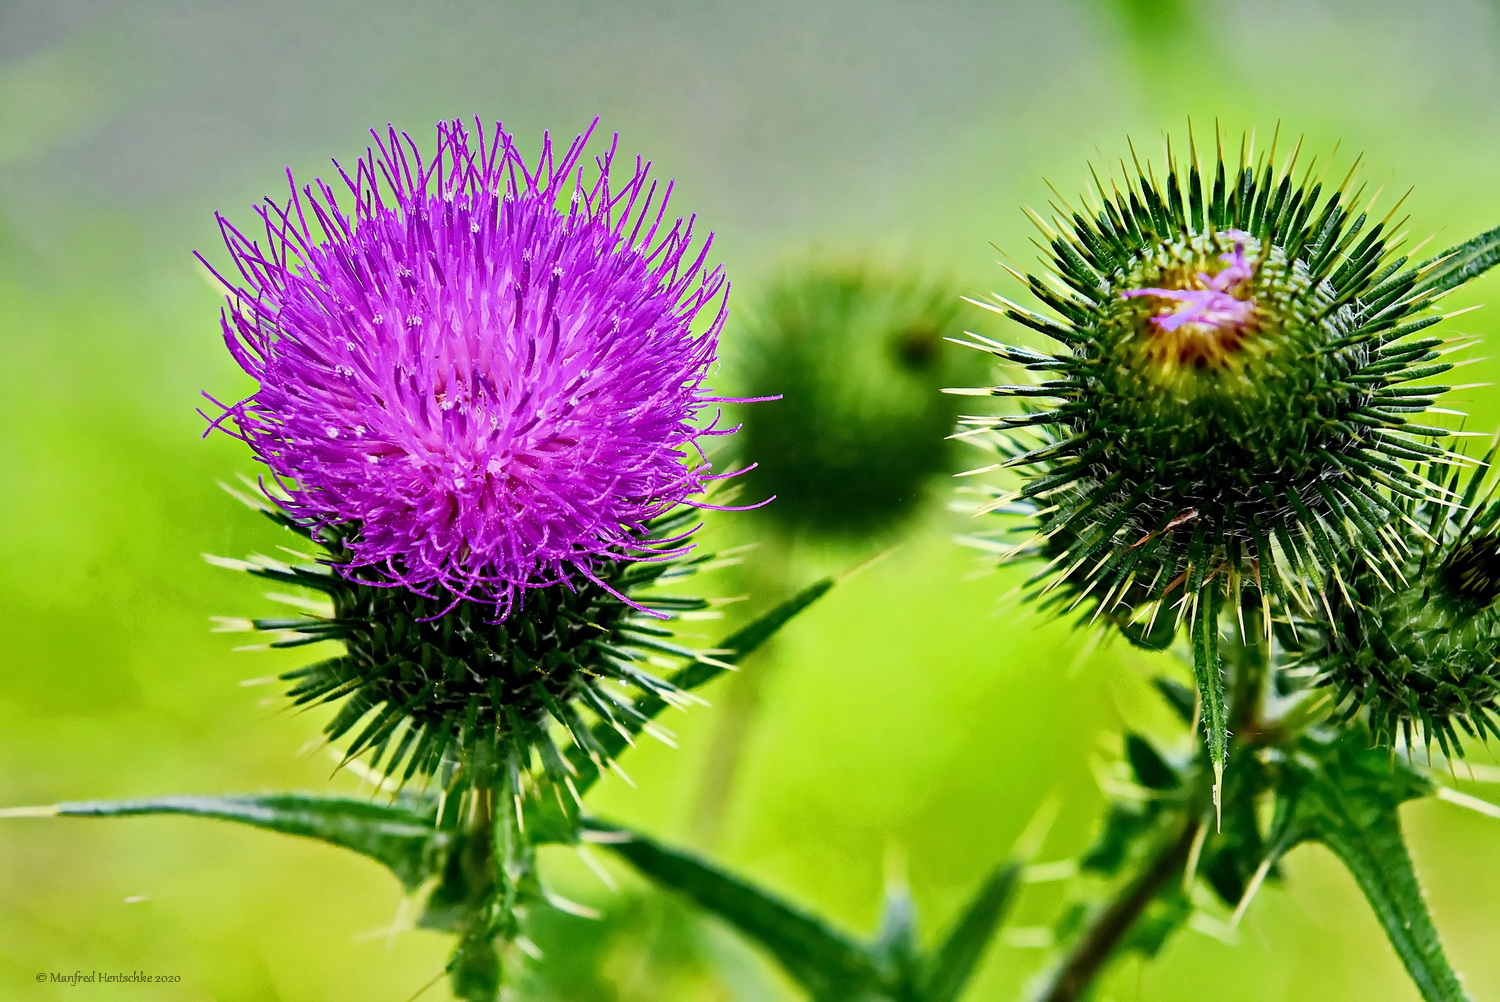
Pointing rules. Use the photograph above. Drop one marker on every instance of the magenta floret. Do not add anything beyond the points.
(486, 371)
(1216, 305)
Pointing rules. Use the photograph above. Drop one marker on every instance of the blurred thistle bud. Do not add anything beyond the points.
(1419, 650)
(1232, 403)
(479, 391)
(859, 354)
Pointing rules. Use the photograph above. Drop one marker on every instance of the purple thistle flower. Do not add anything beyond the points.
(486, 370)
(1214, 306)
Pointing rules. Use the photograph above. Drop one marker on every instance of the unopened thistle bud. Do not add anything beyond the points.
(480, 386)
(858, 353)
(1235, 400)
(1419, 650)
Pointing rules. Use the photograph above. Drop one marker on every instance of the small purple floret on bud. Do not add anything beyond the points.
(1217, 303)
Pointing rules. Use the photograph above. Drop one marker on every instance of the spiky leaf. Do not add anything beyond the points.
(1348, 801)
(547, 818)
(830, 965)
(1209, 673)
(399, 836)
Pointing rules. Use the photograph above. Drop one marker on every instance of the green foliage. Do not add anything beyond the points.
(1286, 785)
(1209, 674)
(553, 819)
(826, 962)
(858, 354)
(954, 960)
(401, 836)
(830, 965)
(467, 894)
(1457, 265)
(1344, 794)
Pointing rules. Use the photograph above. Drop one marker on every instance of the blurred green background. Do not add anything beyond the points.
(918, 714)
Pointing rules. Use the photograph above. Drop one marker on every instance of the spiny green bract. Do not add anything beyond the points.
(1420, 648)
(1234, 404)
(433, 687)
(857, 353)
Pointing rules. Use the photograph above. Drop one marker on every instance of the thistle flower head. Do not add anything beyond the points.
(1419, 651)
(1232, 401)
(857, 352)
(479, 388)
(482, 373)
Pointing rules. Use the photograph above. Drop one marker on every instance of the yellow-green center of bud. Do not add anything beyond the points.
(1201, 314)
(1208, 338)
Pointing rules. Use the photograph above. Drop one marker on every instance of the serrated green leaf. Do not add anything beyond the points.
(953, 962)
(830, 965)
(394, 835)
(733, 648)
(1209, 674)
(1349, 804)
(1372, 847)
(744, 641)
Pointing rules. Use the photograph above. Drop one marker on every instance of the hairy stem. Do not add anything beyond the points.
(1248, 659)
(1104, 937)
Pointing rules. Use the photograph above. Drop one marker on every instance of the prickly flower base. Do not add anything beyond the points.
(1235, 396)
(430, 688)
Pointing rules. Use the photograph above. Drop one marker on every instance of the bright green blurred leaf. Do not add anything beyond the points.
(955, 959)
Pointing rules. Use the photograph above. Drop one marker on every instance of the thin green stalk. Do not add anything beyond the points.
(1098, 945)
(742, 702)
(1248, 660)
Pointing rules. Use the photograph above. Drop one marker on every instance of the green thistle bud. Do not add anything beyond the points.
(1420, 649)
(858, 354)
(434, 687)
(1232, 406)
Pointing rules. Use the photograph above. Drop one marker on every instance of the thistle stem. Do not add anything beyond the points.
(1249, 659)
(742, 703)
(1104, 937)
(721, 771)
